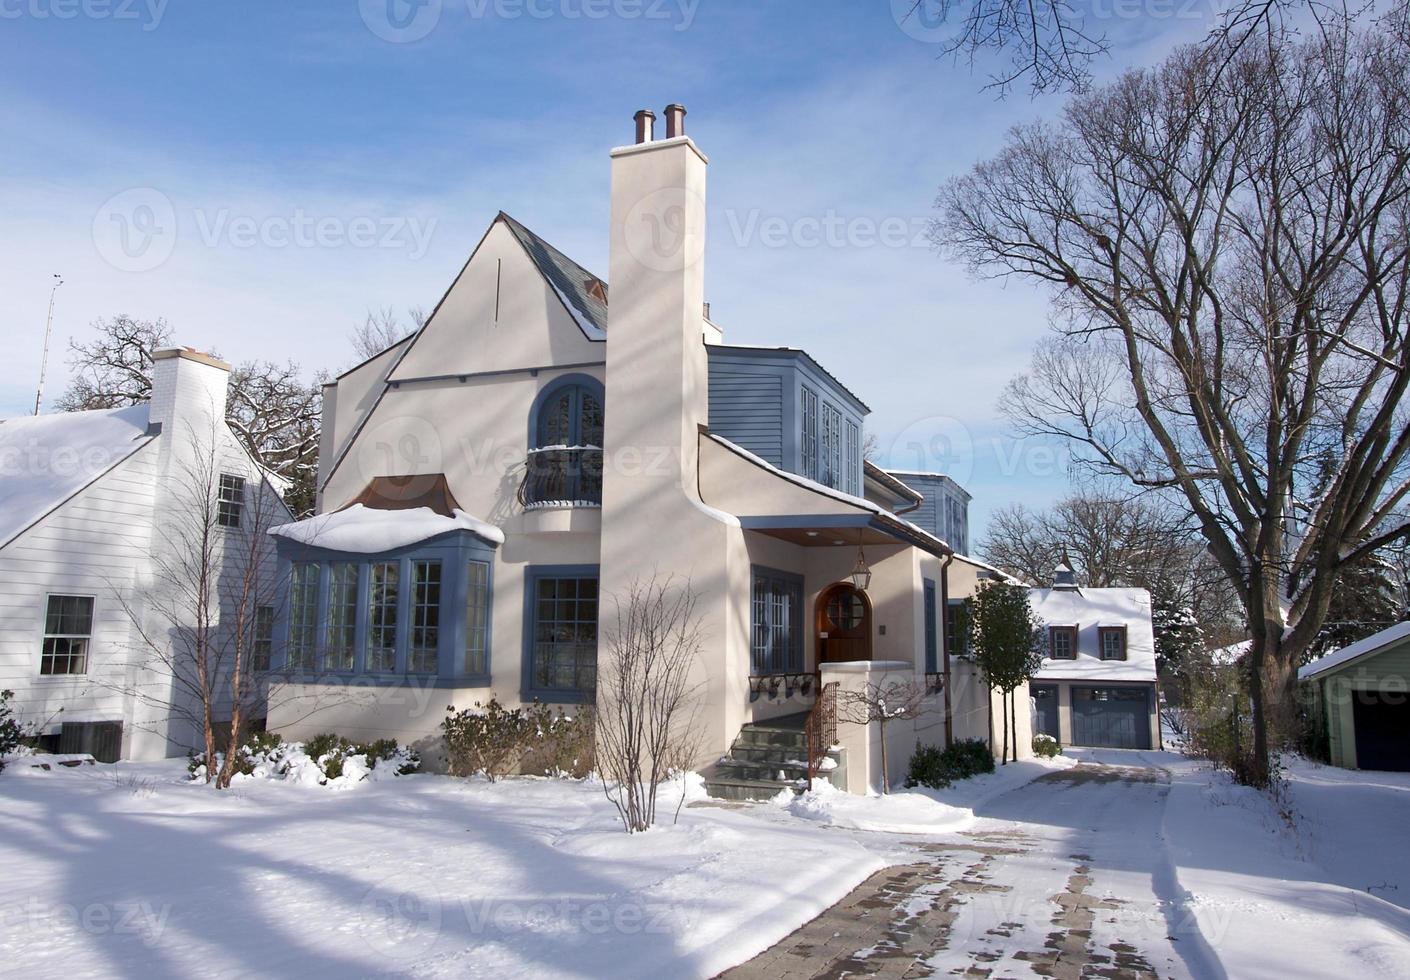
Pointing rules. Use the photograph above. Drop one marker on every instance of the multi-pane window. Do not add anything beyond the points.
(230, 500)
(1112, 641)
(303, 616)
(957, 627)
(425, 616)
(477, 618)
(776, 628)
(1062, 642)
(564, 637)
(831, 447)
(854, 459)
(932, 653)
(809, 440)
(382, 593)
(68, 629)
(341, 642)
(262, 650)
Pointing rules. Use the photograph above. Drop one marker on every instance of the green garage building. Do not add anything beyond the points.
(1362, 693)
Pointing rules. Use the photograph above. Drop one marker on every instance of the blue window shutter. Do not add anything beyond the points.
(932, 658)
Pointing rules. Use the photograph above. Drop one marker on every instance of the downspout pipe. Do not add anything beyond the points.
(945, 642)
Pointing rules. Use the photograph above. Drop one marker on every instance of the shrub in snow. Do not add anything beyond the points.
(563, 743)
(325, 759)
(12, 733)
(1045, 746)
(487, 738)
(937, 768)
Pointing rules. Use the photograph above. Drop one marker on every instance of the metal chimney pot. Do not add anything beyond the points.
(645, 125)
(675, 120)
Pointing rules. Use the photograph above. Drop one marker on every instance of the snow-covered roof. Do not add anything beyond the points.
(366, 530)
(46, 459)
(1361, 648)
(1088, 610)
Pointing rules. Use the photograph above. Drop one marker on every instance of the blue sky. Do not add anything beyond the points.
(304, 162)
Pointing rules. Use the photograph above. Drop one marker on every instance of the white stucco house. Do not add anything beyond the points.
(487, 485)
(93, 506)
(1097, 685)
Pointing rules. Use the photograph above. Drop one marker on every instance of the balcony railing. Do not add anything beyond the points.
(562, 476)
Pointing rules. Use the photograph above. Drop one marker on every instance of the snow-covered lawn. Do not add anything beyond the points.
(1317, 886)
(130, 870)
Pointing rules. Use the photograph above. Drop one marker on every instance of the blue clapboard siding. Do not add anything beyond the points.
(747, 409)
(756, 396)
(945, 510)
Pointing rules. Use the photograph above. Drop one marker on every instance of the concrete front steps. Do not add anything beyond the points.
(768, 756)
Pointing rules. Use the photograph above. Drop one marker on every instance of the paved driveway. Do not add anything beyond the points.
(1065, 877)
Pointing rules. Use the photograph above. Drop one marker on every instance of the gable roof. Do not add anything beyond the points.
(1372, 644)
(46, 459)
(574, 284)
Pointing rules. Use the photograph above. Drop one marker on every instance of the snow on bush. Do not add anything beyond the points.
(324, 760)
(492, 740)
(12, 733)
(1045, 746)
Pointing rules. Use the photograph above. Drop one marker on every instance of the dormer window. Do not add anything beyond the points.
(1062, 642)
(1111, 641)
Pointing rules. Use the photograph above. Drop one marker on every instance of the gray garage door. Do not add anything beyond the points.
(1045, 701)
(1111, 717)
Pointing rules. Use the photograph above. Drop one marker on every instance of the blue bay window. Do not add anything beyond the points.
(422, 611)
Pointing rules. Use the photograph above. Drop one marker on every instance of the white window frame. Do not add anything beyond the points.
(46, 636)
(229, 508)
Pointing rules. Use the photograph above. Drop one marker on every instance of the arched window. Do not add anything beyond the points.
(570, 415)
(564, 467)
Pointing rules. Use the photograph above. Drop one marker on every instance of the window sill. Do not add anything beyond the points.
(422, 681)
(556, 697)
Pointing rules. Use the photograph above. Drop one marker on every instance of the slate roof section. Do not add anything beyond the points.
(571, 280)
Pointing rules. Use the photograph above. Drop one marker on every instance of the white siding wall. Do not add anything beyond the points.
(92, 545)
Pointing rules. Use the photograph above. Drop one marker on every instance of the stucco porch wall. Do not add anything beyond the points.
(862, 743)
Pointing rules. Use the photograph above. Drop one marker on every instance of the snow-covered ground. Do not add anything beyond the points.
(129, 870)
(1139, 860)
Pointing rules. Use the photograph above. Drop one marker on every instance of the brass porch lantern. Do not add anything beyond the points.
(861, 574)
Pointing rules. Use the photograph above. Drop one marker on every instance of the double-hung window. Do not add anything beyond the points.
(1062, 642)
(382, 596)
(68, 630)
(341, 643)
(1111, 640)
(776, 623)
(230, 500)
(957, 627)
(425, 616)
(303, 615)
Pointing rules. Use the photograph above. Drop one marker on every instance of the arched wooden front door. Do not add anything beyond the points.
(843, 625)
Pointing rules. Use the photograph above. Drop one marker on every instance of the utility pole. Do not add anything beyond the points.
(48, 329)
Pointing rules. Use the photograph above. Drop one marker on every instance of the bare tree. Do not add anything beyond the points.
(204, 614)
(881, 704)
(1225, 236)
(382, 328)
(275, 413)
(647, 703)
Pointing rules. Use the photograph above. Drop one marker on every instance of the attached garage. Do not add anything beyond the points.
(1361, 697)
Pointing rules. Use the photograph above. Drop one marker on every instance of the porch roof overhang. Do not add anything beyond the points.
(836, 530)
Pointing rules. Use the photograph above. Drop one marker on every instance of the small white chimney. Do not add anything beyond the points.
(188, 387)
